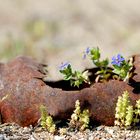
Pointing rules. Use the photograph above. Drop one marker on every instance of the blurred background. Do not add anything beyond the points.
(55, 31)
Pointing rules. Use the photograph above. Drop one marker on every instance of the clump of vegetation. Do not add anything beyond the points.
(79, 119)
(121, 69)
(126, 115)
(47, 121)
(76, 77)
(103, 73)
(122, 110)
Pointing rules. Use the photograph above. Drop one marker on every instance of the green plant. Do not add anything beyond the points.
(122, 67)
(79, 119)
(76, 77)
(94, 54)
(46, 120)
(126, 115)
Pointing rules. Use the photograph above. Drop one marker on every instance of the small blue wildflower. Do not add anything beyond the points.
(64, 65)
(117, 60)
(87, 51)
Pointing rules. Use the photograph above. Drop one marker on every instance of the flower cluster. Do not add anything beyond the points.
(118, 61)
(121, 69)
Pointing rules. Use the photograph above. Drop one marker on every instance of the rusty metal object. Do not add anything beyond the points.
(22, 80)
(136, 76)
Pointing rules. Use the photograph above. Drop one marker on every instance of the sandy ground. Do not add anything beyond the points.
(111, 25)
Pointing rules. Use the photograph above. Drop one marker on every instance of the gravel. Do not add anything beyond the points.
(15, 132)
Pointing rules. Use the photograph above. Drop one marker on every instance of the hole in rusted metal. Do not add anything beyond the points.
(65, 85)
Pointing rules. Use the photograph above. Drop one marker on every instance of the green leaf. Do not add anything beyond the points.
(95, 53)
(116, 71)
(104, 63)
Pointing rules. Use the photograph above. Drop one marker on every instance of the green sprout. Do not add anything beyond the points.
(76, 77)
(104, 72)
(79, 119)
(46, 120)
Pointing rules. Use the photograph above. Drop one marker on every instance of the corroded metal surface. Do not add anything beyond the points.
(19, 79)
(22, 80)
(137, 68)
(99, 99)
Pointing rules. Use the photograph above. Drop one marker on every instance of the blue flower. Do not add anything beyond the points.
(87, 51)
(117, 60)
(64, 66)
